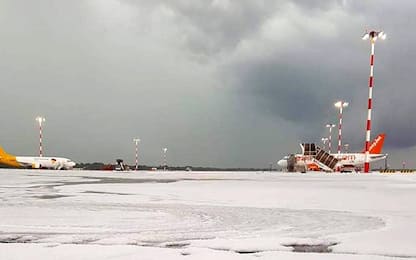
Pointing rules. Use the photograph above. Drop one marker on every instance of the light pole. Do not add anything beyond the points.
(372, 36)
(340, 105)
(136, 141)
(165, 162)
(40, 120)
(330, 126)
(324, 140)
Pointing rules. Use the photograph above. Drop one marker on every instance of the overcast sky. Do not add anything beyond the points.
(218, 82)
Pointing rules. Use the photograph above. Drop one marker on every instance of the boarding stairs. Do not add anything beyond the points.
(321, 157)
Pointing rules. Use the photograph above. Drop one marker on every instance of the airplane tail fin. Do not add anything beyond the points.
(3, 153)
(377, 145)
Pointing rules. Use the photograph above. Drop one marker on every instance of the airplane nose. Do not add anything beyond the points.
(282, 163)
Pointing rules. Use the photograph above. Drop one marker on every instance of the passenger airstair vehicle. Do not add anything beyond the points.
(322, 158)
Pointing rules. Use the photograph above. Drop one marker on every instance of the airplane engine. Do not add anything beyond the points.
(291, 162)
(59, 165)
(36, 165)
(301, 167)
(295, 166)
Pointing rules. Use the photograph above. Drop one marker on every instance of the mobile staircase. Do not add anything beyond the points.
(321, 157)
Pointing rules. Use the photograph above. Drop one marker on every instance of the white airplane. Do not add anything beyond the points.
(57, 163)
(345, 160)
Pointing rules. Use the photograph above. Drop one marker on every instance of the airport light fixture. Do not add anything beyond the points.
(372, 36)
(165, 162)
(137, 141)
(40, 120)
(330, 126)
(340, 105)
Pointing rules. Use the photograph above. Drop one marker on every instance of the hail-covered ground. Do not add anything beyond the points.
(206, 215)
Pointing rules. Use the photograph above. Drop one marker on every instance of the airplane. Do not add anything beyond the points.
(57, 163)
(346, 161)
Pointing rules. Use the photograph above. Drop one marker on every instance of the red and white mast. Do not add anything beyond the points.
(372, 36)
(330, 126)
(165, 161)
(40, 120)
(324, 141)
(136, 141)
(340, 105)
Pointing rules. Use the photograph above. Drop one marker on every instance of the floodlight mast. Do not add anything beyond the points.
(372, 36)
(324, 141)
(165, 162)
(330, 126)
(340, 105)
(40, 120)
(137, 141)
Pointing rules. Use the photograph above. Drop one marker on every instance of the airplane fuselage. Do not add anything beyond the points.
(45, 162)
(344, 160)
(34, 162)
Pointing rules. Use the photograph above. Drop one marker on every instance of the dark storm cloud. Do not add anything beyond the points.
(304, 69)
(318, 59)
(284, 80)
(280, 91)
(211, 27)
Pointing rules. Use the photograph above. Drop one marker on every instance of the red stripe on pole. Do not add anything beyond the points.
(366, 167)
(370, 83)
(367, 145)
(370, 103)
(368, 125)
(371, 60)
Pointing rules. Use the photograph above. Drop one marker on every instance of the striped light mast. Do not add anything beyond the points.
(372, 36)
(330, 126)
(165, 161)
(340, 105)
(40, 120)
(324, 141)
(137, 141)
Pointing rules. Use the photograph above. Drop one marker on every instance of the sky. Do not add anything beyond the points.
(218, 82)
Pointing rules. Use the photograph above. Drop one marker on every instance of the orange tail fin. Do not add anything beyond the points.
(377, 145)
(2, 152)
